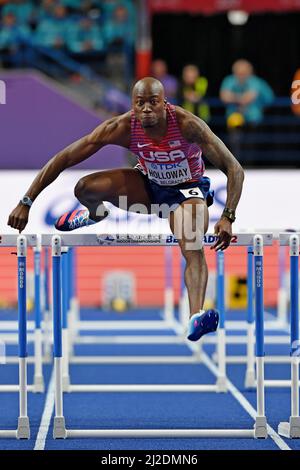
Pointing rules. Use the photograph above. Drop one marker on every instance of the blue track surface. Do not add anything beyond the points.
(147, 410)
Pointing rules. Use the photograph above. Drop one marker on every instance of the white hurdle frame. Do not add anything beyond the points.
(291, 429)
(60, 431)
(21, 242)
(290, 240)
(36, 335)
(248, 339)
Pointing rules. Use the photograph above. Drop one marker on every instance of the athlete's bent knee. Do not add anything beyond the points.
(80, 188)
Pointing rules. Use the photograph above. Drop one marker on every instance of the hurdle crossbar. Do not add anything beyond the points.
(92, 239)
(164, 388)
(135, 359)
(159, 433)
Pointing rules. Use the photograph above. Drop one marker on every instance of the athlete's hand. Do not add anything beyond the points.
(18, 218)
(223, 230)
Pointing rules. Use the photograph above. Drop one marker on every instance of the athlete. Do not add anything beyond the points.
(168, 143)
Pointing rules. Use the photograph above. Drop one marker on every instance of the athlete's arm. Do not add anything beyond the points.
(113, 131)
(196, 130)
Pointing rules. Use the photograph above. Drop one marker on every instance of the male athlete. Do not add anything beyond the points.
(168, 143)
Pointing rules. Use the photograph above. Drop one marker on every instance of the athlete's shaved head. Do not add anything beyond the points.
(148, 85)
(148, 100)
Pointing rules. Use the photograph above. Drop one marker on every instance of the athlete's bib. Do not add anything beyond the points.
(168, 174)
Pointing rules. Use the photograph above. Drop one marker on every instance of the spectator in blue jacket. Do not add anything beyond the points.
(12, 36)
(24, 11)
(120, 37)
(109, 7)
(52, 31)
(119, 30)
(245, 94)
(85, 37)
(46, 9)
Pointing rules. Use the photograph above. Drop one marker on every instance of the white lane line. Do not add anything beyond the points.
(234, 391)
(47, 414)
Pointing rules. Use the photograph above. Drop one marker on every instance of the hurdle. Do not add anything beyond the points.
(286, 239)
(66, 360)
(60, 431)
(168, 309)
(38, 384)
(47, 327)
(168, 314)
(36, 336)
(248, 338)
(291, 429)
(281, 321)
(21, 242)
(283, 293)
(78, 325)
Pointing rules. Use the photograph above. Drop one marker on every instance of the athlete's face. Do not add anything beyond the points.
(149, 107)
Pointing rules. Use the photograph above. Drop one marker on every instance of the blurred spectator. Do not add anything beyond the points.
(159, 70)
(12, 36)
(193, 89)
(46, 9)
(85, 37)
(23, 10)
(119, 31)
(245, 95)
(52, 30)
(119, 34)
(109, 7)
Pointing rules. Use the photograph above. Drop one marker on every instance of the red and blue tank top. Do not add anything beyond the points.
(173, 161)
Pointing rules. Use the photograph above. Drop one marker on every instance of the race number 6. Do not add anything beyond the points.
(192, 192)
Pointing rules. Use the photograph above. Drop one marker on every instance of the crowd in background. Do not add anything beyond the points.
(59, 36)
(81, 28)
(89, 29)
(243, 93)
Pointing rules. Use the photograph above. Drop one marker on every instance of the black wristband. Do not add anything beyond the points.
(229, 214)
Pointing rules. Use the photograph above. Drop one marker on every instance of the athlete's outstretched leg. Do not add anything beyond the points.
(189, 223)
(125, 187)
